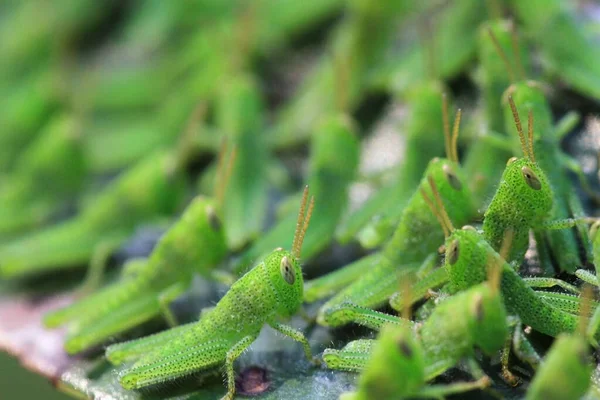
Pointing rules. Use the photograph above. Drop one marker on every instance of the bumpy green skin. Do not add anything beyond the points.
(333, 164)
(561, 244)
(565, 372)
(485, 162)
(517, 206)
(353, 357)
(240, 112)
(422, 144)
(417, 236)
(151, 189)
(270, 291)
(195, 244)
(566, 50)
(396, 368)
(520, 299)
(447, 339)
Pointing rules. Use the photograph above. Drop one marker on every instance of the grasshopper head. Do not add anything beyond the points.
(465, 258)
(528, 187)
(285, 274)
(397, 365)
(489, 319)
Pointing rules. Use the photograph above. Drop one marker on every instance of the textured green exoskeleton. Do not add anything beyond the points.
(562, 246)
(194, 244)
(270, 291)
(384, 208)
(396, 369)
(46, 174)
(416, 238)
(149, 190)
(333, 163)
(569, 353)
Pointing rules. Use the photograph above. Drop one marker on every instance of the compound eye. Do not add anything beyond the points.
(405, 348)
(453, 252)
(213, 219)
(287, 270)
(451, 177)
(511, 160)
(531, 178)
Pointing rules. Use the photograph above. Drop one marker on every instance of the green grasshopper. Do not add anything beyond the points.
(444, 338)
(151, 189)
(569, 352)
(31, 194)
(416, 238)
(332, 167)
(268, 292)
(194, 244)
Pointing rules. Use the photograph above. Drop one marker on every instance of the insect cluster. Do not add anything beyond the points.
(470, 256)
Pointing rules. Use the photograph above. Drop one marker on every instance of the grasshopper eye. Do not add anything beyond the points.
(405, 349)
(451, 177)
(478, 306)
(511, 160)
(213, 219)
(453, 251)
(287, 270)
(531, 178)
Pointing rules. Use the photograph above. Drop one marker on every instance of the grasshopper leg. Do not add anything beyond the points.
(165, 298)
(542, 282)
(353, 357)
(441, 391)
(298, 337)
(98, 264)
(231, 356)
(349, 312)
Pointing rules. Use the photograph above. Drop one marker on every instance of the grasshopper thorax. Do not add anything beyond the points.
(285, 275)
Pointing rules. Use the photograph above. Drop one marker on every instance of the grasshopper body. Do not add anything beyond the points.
(270, 291)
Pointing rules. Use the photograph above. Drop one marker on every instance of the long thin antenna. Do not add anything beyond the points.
(440, 203)
(515, 114)
(503, 56)
(495, 264)
(446, 122)
(455, 130)
(406, 290)
(514, 39)
(300, 240)
(435, 212)
(587, 295)
(300, 221)
(530, 134)
(224, 170)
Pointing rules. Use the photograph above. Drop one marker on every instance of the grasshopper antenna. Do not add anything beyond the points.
(302, 223)
(502, 53)
(455, 130)
(406, 289)
(440, 204)
(495, 270)
(585, 309)
(517, 119)
(434, 211)
(530, 134)
(224, 169)
(446, 121)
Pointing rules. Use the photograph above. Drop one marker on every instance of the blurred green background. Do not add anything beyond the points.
(18, 383)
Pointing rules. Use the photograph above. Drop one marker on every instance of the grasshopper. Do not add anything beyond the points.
(268, 292)
(195, 243)
(416, 237)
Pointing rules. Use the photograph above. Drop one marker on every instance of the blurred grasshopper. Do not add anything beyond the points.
(270, 291)
(332, 167)
(47, 173)
(194, 244)
(151, 189)
(416, 238)
(445, 339)
(569, 352)
(566, 51)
